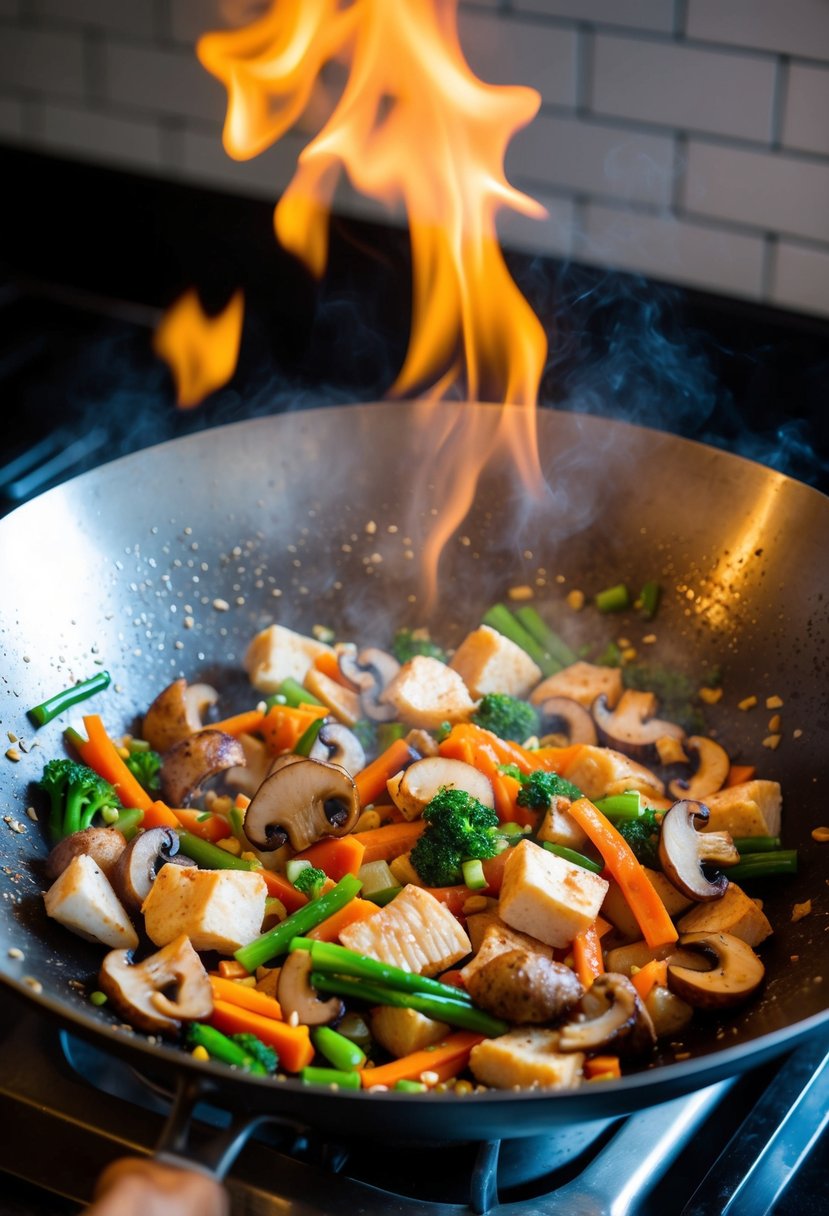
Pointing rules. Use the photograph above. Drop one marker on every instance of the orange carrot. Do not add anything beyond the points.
(283, 726)
(355, 910)
(279, 888)
(452, 898)
(602, 926)
(587, 955)
(229, 969)
(371, 781)
(247, 723)
(329, 666)
(445, 1060)
(337, 856)
(245, 997)
(241, 802)
(643, 901)
(606, 1067)
(453, 978)
(466, 735)
(647, 977)
(293, 1043)
(159, 815)
(738, 773)
(101, 754)
(208, 827)
(494, 872)
(388, 842)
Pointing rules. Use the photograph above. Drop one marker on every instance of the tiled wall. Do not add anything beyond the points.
(688, 139)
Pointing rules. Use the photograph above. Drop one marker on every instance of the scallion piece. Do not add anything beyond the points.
(538, 628)
(578, 859)
(277, 940)
(763, 865)
(294, 868)
(388, 733)
(295, 695)
(127, 821)
(613, 599)
(649, 598)
(453, 1012)
(405, 1086)
(381, 898)
(501, 619)
(339, 960)
(219, 1047)
(339, 1051)
(757, 844)
(209, 856)
(308, 738)
(622, 806)
(47, 710)
(330, 1077)
(473, 874)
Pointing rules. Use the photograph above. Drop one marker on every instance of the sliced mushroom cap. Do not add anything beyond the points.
(559, 713)
(141, 993)
(302, 801)
(611, 1013)
(711, 770)
(137, 866)
(103, 845)
(524, 987)
(339, 745)
(415, 787)
(681, 852)
(190, 763)
(736, 972)
(246, 778)
(371, 671)
(176, 713)
(297, 997)
(631, 727)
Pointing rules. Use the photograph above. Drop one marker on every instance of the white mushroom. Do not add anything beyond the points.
(711, 771)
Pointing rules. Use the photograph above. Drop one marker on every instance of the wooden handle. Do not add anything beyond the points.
(136, 1186)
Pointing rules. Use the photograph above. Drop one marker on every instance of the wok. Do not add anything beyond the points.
(309, 518)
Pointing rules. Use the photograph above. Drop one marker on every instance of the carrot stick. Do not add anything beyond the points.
(247, 723)
(159, 815)
(338, 855)
(229, 969)
(606, 1067)
(101, 754)
(329, 666)
(283, 725)
(371, 781)
(494, 872)
(587, 955)
(279, 887)
(647, 977)
(446, 1060)
(245, 997)
(738, 773)
(329, 930)
(388, 842)
(208, 827)
(293, 1043)
(649, 910)
(467, 735)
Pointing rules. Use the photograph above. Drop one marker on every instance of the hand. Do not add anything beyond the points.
(136, 1186)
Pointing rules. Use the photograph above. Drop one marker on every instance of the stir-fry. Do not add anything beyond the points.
(405, 869)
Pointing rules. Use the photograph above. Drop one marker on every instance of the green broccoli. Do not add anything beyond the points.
(459, 828)
(259, 1051)
(539, 788)
(506, 716)
(310, 881)
(77, 794)
(145, 766)
(408, 643)
(642, 835)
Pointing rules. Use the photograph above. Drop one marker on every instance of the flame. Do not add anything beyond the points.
(201, 351)
(412, 126)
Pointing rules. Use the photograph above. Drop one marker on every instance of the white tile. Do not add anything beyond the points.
(11, 116)
(678, 251)
(772, 191)
(806, 113)
(99, 137)
(676, 85)
(801, 278)
(164, 81)
(637, 14)
(504, 51)
(135, 17)
(190, 19)
(790, 27)
(552, 235)
(568, 154)
(204, 159)
(42, 60)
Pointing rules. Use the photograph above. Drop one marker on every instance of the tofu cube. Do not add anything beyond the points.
(559, 827)
(500, 939)
(599, 771)
(486, 661)
(426, 693)
(83, 900)
(278, 654)
(343, 702)
(402, 1031)
(581, 682)
(752, 808)
(526, 1059)
(217, 909)
(415, 931)
(735, 913)
(548, 897)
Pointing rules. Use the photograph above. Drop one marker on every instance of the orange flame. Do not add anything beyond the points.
(201, 351)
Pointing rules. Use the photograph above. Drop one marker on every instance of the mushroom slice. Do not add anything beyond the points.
(371, 671)
(735, 975)
(414, 788)
(576, 720)
(611, 1013)
(302, 801)
(631, 726)
(190, 763)
(524, 987)
(136, 869)
(176, 713)
(300, 1003)
(141, 993)
(103, 845)
(682, 849)
(711, 771)
(339, 745)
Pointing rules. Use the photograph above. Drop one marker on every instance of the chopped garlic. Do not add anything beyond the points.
(747, 703)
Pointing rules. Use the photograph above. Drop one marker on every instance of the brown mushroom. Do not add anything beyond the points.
(176, 713)
(190, 763)
(564, 715)
(371, 671)
(414, 788)
(735, 974)
(339, 745)
(247, 777)
(611, 1014)
(681, 852)
(103, 845)
(302, 801)
(141, 992)
(136, 869)
(300, 1003)
(631, 727)
(524, 987)
(710, 773)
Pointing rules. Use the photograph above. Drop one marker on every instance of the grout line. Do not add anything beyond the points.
(585, 49)
(769, 266)
(680, 172)
(778, 103)
(680, 19)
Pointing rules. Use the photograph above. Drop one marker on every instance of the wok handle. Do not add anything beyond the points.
(136, 1186)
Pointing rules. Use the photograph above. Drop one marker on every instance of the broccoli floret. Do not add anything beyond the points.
(261, 1052)
(310, 880)
(145, 766)
(459, 828)
(77, 793)
(539, 788)
(642, 835)
(506, 716)
(407, 644)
